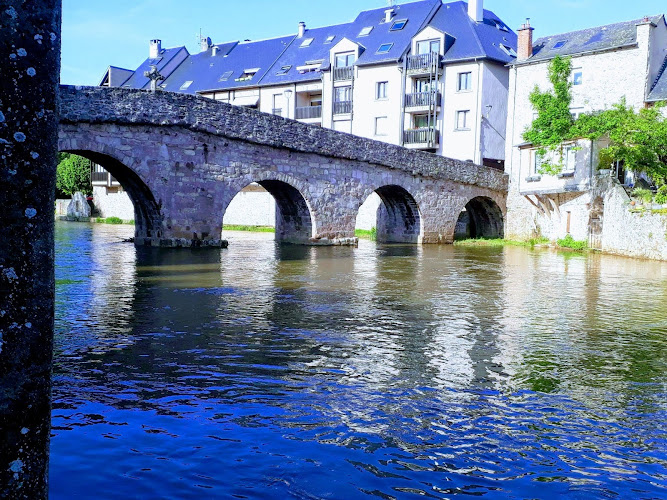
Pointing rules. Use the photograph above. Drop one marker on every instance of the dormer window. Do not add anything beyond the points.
(428, 46)
(344, 60)
(398, 25)
(365, 31)
(330, 39)
(307, 42)
(384, 48)
(186, 85)
(284, 70)
(225, 76)
(508, 50)
(560, 44)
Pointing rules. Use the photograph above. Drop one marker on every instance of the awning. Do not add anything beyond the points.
(251, 101)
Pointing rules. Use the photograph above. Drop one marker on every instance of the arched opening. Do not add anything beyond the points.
(269, 204)
(481, 218)
(390, 215)
(147, 218)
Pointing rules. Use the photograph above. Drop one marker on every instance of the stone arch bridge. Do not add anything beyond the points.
(182, 159)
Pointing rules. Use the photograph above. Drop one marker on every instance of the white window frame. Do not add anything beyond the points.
(569, 159)
(381, 126)
(580, 79)
(460, 81)
(381, 91)
(186, 85)
(463, 119)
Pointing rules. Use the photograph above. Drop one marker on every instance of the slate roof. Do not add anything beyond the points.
(474, 40)
(470, 40)
(139, 81)
(116, 76)
(599, 38)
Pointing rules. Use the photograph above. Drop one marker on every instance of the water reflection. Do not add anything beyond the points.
(338, 372)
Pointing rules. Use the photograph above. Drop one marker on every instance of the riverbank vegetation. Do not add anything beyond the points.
(112, 220)
(366, 234)
(253, 229)
(499, 242)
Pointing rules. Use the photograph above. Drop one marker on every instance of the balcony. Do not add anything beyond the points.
(308, 112)
(423, 64)
(343, 74)
(277, 111)
(342, 108)
(421, 138)
(422, 100)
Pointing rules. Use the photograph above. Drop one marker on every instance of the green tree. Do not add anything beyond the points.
(553, 124)
(73, 174)
(636, 138)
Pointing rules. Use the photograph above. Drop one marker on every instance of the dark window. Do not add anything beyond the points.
(398, 25)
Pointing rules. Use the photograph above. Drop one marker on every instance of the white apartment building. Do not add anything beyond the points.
(609, 63)
(423, 74)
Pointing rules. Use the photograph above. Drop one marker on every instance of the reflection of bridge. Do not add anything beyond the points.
(182, 159)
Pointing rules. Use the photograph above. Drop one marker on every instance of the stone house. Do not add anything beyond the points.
(623, 60)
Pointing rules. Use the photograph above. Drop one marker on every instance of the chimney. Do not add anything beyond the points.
(388, 15)
(205, 43)
(214, 51)
(302, 29)
(155, 47)
(476, 10)
(525, 41)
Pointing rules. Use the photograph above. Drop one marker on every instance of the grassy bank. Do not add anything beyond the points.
(498, 242)
(253, 229)
(366, 234)
(112, 220)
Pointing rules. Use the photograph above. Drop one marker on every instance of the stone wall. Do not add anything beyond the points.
(112, 202)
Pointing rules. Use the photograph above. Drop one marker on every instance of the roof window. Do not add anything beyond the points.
(398, 25)
(501, 26)
(330, 39)
(248, 74)
(225, 76)
(365, 31)
(384, 48)
(284, 70)
(560, 44)
(508, 50)
(186, 85)
(306, 42)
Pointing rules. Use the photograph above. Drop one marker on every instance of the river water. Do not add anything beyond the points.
(264, 371)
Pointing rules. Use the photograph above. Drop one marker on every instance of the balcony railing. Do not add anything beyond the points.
(99, 177)
(308, 112)
(343, 74)
(422, 99)
(277, 111)
(428, 136)
(342, 107)
(423, 63)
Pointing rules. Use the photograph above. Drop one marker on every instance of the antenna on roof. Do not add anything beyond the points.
(391, 3)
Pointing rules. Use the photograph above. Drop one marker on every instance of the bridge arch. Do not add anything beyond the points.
(294, 216)
(147, 213)
(481, 217)
(398, 217)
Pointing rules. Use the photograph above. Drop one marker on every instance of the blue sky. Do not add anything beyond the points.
(99, 33)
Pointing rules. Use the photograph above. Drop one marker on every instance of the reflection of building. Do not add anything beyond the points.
(609, 63)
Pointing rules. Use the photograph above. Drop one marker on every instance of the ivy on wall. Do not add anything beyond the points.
(636, 138)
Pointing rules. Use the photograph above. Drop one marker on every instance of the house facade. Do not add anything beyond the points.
(424, 75)
(609, 63)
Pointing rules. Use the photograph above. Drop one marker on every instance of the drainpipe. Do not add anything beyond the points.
(511, 136)
(403, 70)
(478, 118)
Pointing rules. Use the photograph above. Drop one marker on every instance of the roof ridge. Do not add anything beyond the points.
(660, 73)
(631, 21)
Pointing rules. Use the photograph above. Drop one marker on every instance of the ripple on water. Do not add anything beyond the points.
(265, 371)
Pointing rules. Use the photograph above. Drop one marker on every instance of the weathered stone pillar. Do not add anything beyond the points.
(30, 62)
